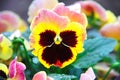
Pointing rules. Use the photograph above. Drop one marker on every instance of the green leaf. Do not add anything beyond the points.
(95, 50)
(63, 77)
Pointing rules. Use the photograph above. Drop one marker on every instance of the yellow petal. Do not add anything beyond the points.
(5, 50)
(4, 68)
(80, 35)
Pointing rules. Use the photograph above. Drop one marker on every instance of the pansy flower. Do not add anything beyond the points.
(10, 21)
(10, 18)
(58, 35)
(111, 30)
(5, 49)
(37, 5)
(92, 7)
(16, 70)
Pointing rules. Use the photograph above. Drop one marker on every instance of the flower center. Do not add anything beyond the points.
(57, 39)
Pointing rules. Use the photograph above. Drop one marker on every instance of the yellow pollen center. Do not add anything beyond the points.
(57, 39)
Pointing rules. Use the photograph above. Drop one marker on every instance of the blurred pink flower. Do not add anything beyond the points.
(41, 76)
(10, 21)
(88, 75)
(111, 30)
(9, 18)
(90, 7)
(3, 26)
(1, 37)
(37, 5)
(16, 70)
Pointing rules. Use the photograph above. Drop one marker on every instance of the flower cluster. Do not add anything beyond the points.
(75, 42)
(15, 71)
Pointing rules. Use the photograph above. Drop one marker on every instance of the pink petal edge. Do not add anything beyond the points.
(74, 16)
(96, 7)
(20, 67)
(49, 16)
(85, 77)
(12, 68)
(90, 73)
(10, 17)
(1, 37)
(40, 76)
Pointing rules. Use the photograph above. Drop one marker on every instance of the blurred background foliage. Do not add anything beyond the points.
(21, 6)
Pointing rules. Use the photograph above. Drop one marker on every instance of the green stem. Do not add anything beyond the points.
(19, 42)
(118, 51)
(111, 67)
(28, 62)
(26, 54)
(106, 75)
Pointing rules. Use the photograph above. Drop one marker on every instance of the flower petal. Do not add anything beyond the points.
(1, 37)
(55, 55)
(80, 35)
(5, 50)
(11, 18)
(11, 21)
(20, 67)
(88, 75)
(50, 18)
(111, 30)
(90, 6)
(40, 76)
(22, 25)
(110, 17)
(12, 68)
(75, 7)
(3, 68)
(85, 77)
(72, 15)
(16, 70)
(72, 44)
(37, 5)
(3, 26)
